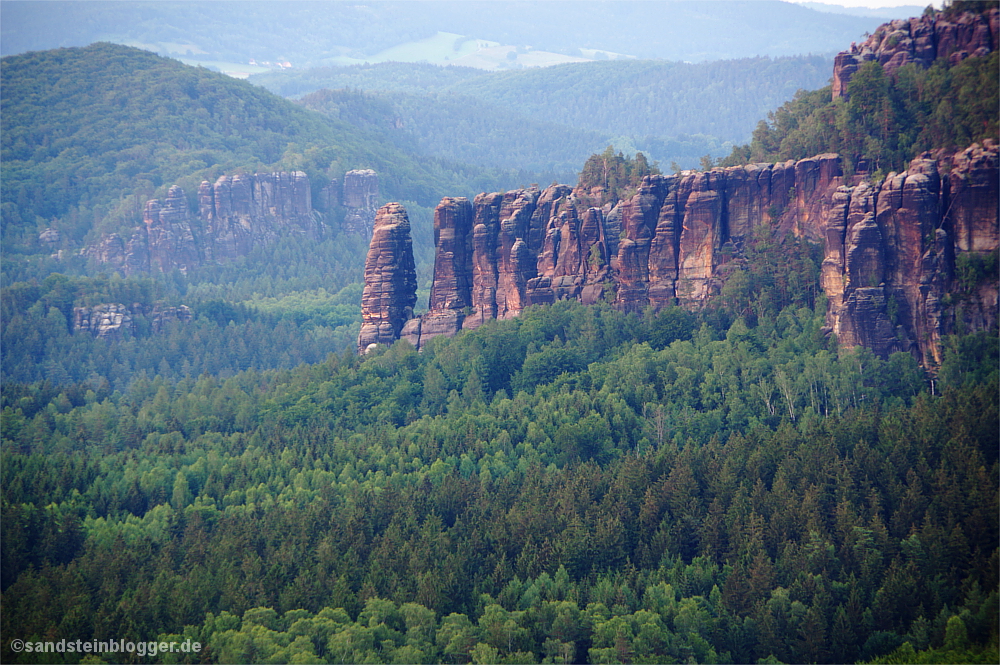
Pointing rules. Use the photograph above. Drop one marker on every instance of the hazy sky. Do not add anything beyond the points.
(877, 3)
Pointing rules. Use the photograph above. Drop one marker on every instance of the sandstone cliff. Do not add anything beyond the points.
(169, 238)
(920, 40)
(502, 252)
(889, 248)
(241, 211)
(107, 321)
(451, 290)
(232, 216)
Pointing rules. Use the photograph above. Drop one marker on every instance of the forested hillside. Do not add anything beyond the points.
(573, 485)
(884, 121)
(469, 130)
(82, 151)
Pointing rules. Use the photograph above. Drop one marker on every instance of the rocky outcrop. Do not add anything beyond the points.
(169, 238)
(889, 248)
(888, 281)
(360, 200)
(162, 317)
(111, 321)
(241, 211)
(49, 237)
(682, 231)
(920, 40)
(107, 321)
(451, 290)
(110, 249)
(233, 215)
(972, 192)
(390, 291)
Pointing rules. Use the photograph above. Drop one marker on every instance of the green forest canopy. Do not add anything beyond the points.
(576, 483)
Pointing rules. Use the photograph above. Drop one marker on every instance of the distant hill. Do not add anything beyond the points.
(90, 133)
(887, 13)
(624, 97)
(552, 118)
(465, 129)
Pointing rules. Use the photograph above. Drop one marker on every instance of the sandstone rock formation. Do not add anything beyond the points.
(234, 214)
(110, 321)
(241, 211)
(49, 237)
(889, 248)
(390, 291)
(170, 240)
(451, 291)
(360, 199)
(972, 190)
(106, 321)
(161, 317)
(505, 251)
(920, 40)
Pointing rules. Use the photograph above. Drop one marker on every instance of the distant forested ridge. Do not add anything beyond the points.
(314, 33)
(553, 117)
(620, 97)
(466, 129)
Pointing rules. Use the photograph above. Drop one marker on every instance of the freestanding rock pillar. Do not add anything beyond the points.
(390, 279)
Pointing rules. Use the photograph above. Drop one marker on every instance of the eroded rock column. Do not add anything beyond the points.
(390, 279)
